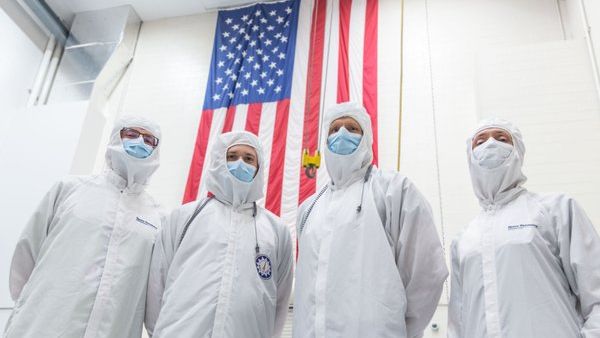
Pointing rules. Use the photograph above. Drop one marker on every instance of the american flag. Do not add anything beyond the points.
(275, 67)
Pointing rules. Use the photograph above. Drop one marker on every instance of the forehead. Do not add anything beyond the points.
(492, 131)
(242, 148)
(344, 119)
(140, 129)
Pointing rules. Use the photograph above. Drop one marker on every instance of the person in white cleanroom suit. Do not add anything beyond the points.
(370, 260)
(528, 265)
(222, 266)
(81, 265)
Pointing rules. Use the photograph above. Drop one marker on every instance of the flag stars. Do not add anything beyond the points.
(235, 27)
(260, 91)
(279, 72)
(261, 35)
(230, 95)
(273, 65)
(288, 10)
(277, 89)
(230, 55)
(263, 75)
(252, 43)
(247, 76)
(228, 71)
(238, 85)
(223, 48)
(279, 20)
(228, 21)
(244, 92)
(257, 13)
(221, 64)
(232, 40)
(268, 42)
(256, 66)
(251, 58)
(273, 13)
(265, 58)
(263, 20)
(245, 18)
(270, 82)
(270, 28)
(219, 80)
(226, 34)
(255, 28)
(259, 51)
(254, 83)
(216, 97)
(284, 39)
(281, 56)
(233, 77)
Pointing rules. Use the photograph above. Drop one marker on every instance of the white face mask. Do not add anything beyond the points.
(492, 153)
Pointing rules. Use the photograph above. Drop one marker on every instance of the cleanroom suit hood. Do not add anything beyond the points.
(81, 265)
(347, 169)
(527, 265)
(136, 171)
(228, 271)
(226, 187)
(370, 262)
(503, 183)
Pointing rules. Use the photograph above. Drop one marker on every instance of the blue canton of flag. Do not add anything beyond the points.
(253, 55)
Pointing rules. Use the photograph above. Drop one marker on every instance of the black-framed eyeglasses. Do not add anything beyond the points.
(149, 139)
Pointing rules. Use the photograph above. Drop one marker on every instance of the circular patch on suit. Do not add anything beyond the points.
(263, 266)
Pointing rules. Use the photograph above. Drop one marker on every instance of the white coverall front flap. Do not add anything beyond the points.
(374, 273)
(208, 284)
(527, 265)
(81, 265)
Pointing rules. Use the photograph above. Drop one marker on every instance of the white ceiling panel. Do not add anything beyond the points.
(147, 9)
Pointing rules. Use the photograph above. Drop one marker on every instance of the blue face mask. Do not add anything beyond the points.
(137, 148)
(241, 170)
(343, 142)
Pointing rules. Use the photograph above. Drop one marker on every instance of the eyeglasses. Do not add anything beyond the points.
(149, 139)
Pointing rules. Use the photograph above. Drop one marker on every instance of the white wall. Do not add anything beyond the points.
(19, 62)
(468, 59)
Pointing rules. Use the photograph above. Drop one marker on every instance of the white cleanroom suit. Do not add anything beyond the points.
(370, 260)
(81, 265)
(528, 265)
(228, 272)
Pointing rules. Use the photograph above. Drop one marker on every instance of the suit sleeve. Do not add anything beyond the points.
(579, 247)
(455, 305)
(30, 243)
(285, 278)
(418, 250)
(162, 256)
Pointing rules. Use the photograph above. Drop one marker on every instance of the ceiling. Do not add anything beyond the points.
(147, 9)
